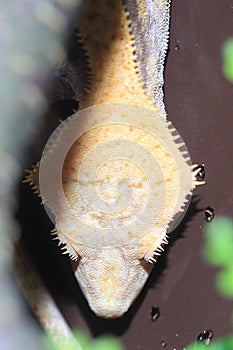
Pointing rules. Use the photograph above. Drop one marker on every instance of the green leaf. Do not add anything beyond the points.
(106, 342)
(79, 342)
(198, 346)
(218, 248)
(221, 344)
(82, 338)
(47, 343)
(224, 282)
(227, 54)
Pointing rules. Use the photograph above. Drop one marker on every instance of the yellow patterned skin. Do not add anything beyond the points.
(109, 46)
(112, 276)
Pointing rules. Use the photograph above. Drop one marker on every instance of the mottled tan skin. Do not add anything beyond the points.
(111, 56)
(112, 278)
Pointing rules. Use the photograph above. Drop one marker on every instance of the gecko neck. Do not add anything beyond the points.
(112, 64)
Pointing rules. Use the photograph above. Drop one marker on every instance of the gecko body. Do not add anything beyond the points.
(112, 235)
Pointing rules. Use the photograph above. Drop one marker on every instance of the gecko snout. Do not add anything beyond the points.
(110, 281)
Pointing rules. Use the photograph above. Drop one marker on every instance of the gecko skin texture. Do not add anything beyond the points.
(111, 276)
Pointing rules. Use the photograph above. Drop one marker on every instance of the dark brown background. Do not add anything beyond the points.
(199, 102)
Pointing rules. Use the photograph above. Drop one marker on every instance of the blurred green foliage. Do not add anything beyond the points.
(227, 55)
(221, 344)
(219, 242)
(106, 342)
(218, 251)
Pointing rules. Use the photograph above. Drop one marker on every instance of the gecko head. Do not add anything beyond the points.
(111, 279)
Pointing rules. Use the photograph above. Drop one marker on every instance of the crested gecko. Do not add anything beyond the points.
(118, 208)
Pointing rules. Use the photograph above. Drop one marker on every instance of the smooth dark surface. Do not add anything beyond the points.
(199, 102)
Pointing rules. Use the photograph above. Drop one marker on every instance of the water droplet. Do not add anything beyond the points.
(177, 47)
(201, 173)
(209, 214)
(163, 343)
(155, 313)
(206, 336)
